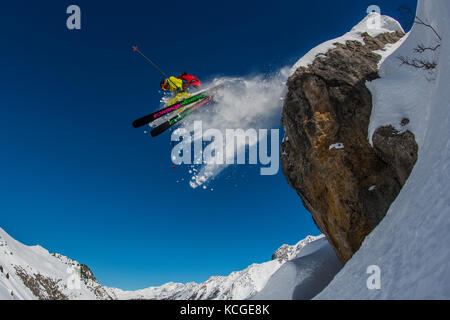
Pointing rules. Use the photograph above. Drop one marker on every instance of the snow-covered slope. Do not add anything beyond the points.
(31, 272)
(307, 274)
(236, 286)
(410, 245)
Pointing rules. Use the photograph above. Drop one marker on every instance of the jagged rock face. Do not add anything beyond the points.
(326, 157)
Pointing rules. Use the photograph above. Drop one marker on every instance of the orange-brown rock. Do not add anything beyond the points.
(326, 157)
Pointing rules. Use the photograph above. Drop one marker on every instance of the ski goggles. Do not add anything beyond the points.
(165, 86)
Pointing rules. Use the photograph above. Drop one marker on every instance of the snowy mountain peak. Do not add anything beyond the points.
(31, 272)
(287, 252)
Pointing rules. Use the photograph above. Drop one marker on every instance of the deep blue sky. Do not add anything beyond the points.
(79, 180)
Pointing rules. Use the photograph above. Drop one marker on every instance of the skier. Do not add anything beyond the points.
(181, 85)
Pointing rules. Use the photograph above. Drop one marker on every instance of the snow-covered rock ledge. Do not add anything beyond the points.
(346, 183)
(410, 245)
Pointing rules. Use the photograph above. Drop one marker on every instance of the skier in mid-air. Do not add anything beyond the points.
(186, 99)
(181, 86)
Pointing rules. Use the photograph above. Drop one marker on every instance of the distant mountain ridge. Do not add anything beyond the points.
(238, 285)
(32, 273)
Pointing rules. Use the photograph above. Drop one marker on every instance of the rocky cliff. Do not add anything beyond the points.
(346, 183)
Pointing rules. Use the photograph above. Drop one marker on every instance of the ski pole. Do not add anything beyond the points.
(135, 49)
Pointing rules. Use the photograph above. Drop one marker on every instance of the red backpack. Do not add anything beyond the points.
(189, 80)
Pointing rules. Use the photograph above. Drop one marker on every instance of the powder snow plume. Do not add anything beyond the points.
(252, 102)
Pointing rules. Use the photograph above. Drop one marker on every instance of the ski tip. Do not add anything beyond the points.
(135, 48)
(154, 133)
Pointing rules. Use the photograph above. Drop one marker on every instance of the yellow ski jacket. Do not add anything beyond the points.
(175, 84)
